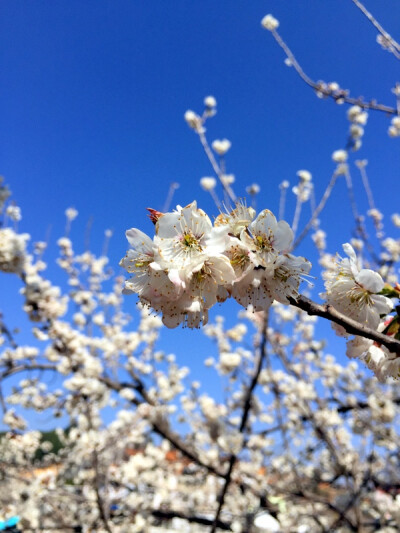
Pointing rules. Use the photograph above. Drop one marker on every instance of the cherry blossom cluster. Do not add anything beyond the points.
(293, 441)
(191, 264)
(359, 293)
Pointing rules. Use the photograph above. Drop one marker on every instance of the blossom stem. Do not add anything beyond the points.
(172, 188)
(360, 228)
(215, 165)
(282, 203)
(297, 211)
(317, 210)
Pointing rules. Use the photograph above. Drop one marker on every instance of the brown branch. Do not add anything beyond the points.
(168, 515)
(345, 408)
(161, 429)
(100, 502)
(332, 507)
(351, 326)
(246, 411)
(25, 368)
(7, 333)
(351, 503)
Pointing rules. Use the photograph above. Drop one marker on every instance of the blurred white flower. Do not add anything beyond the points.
(12, 250)
(396, 220)
(340, 156)
(193, 120)
(208, 183)
(333, 86)
(210, 101)
(14, 212)
(229, 362)
(353, 112)
(71, 213)
(356, 131)
(269, 22)
(394, 128)
(221, 146)
(304, 175)
(228, 179)
(253, 189)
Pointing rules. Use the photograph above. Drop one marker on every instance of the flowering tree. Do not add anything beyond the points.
(296, 441)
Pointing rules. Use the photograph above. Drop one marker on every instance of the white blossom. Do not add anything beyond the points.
(208, 183)
(340, 156)
(354, 291)
(71, 213)
(193, 120)
(14, 212)
(12, 250)
(221, 146)
(270, 23)
(210, 101)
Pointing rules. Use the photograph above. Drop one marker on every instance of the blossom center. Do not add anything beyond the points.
(190, 242)
(239, 258)
(263, 242)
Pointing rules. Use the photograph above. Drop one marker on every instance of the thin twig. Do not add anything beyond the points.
(361, 167)
(100, 503)
(395, 46)
(317, 210)
(172, 188)
(364, 177)
(215, 165)
(360, 228)
(351, 503)
(282, 201)
(340, 95)
(297, 210)
(7, 333)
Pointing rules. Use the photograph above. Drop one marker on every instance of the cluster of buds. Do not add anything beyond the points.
(305, 186)
(394, 128)
(358, 118)
(331, 89)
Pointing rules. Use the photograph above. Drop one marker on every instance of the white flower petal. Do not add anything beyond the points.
(139, 241)
(349, 250)
(370, 280)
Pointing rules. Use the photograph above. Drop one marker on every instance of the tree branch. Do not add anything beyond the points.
(339, 95)
(162, 430)
(245, 416)
(351, 326)
(395, 46)
(168, 515)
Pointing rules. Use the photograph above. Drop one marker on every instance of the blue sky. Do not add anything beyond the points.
(93, 95)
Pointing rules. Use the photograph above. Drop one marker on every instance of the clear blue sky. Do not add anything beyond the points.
(93, 95)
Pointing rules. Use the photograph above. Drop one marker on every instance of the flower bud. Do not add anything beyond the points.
(269, 22)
